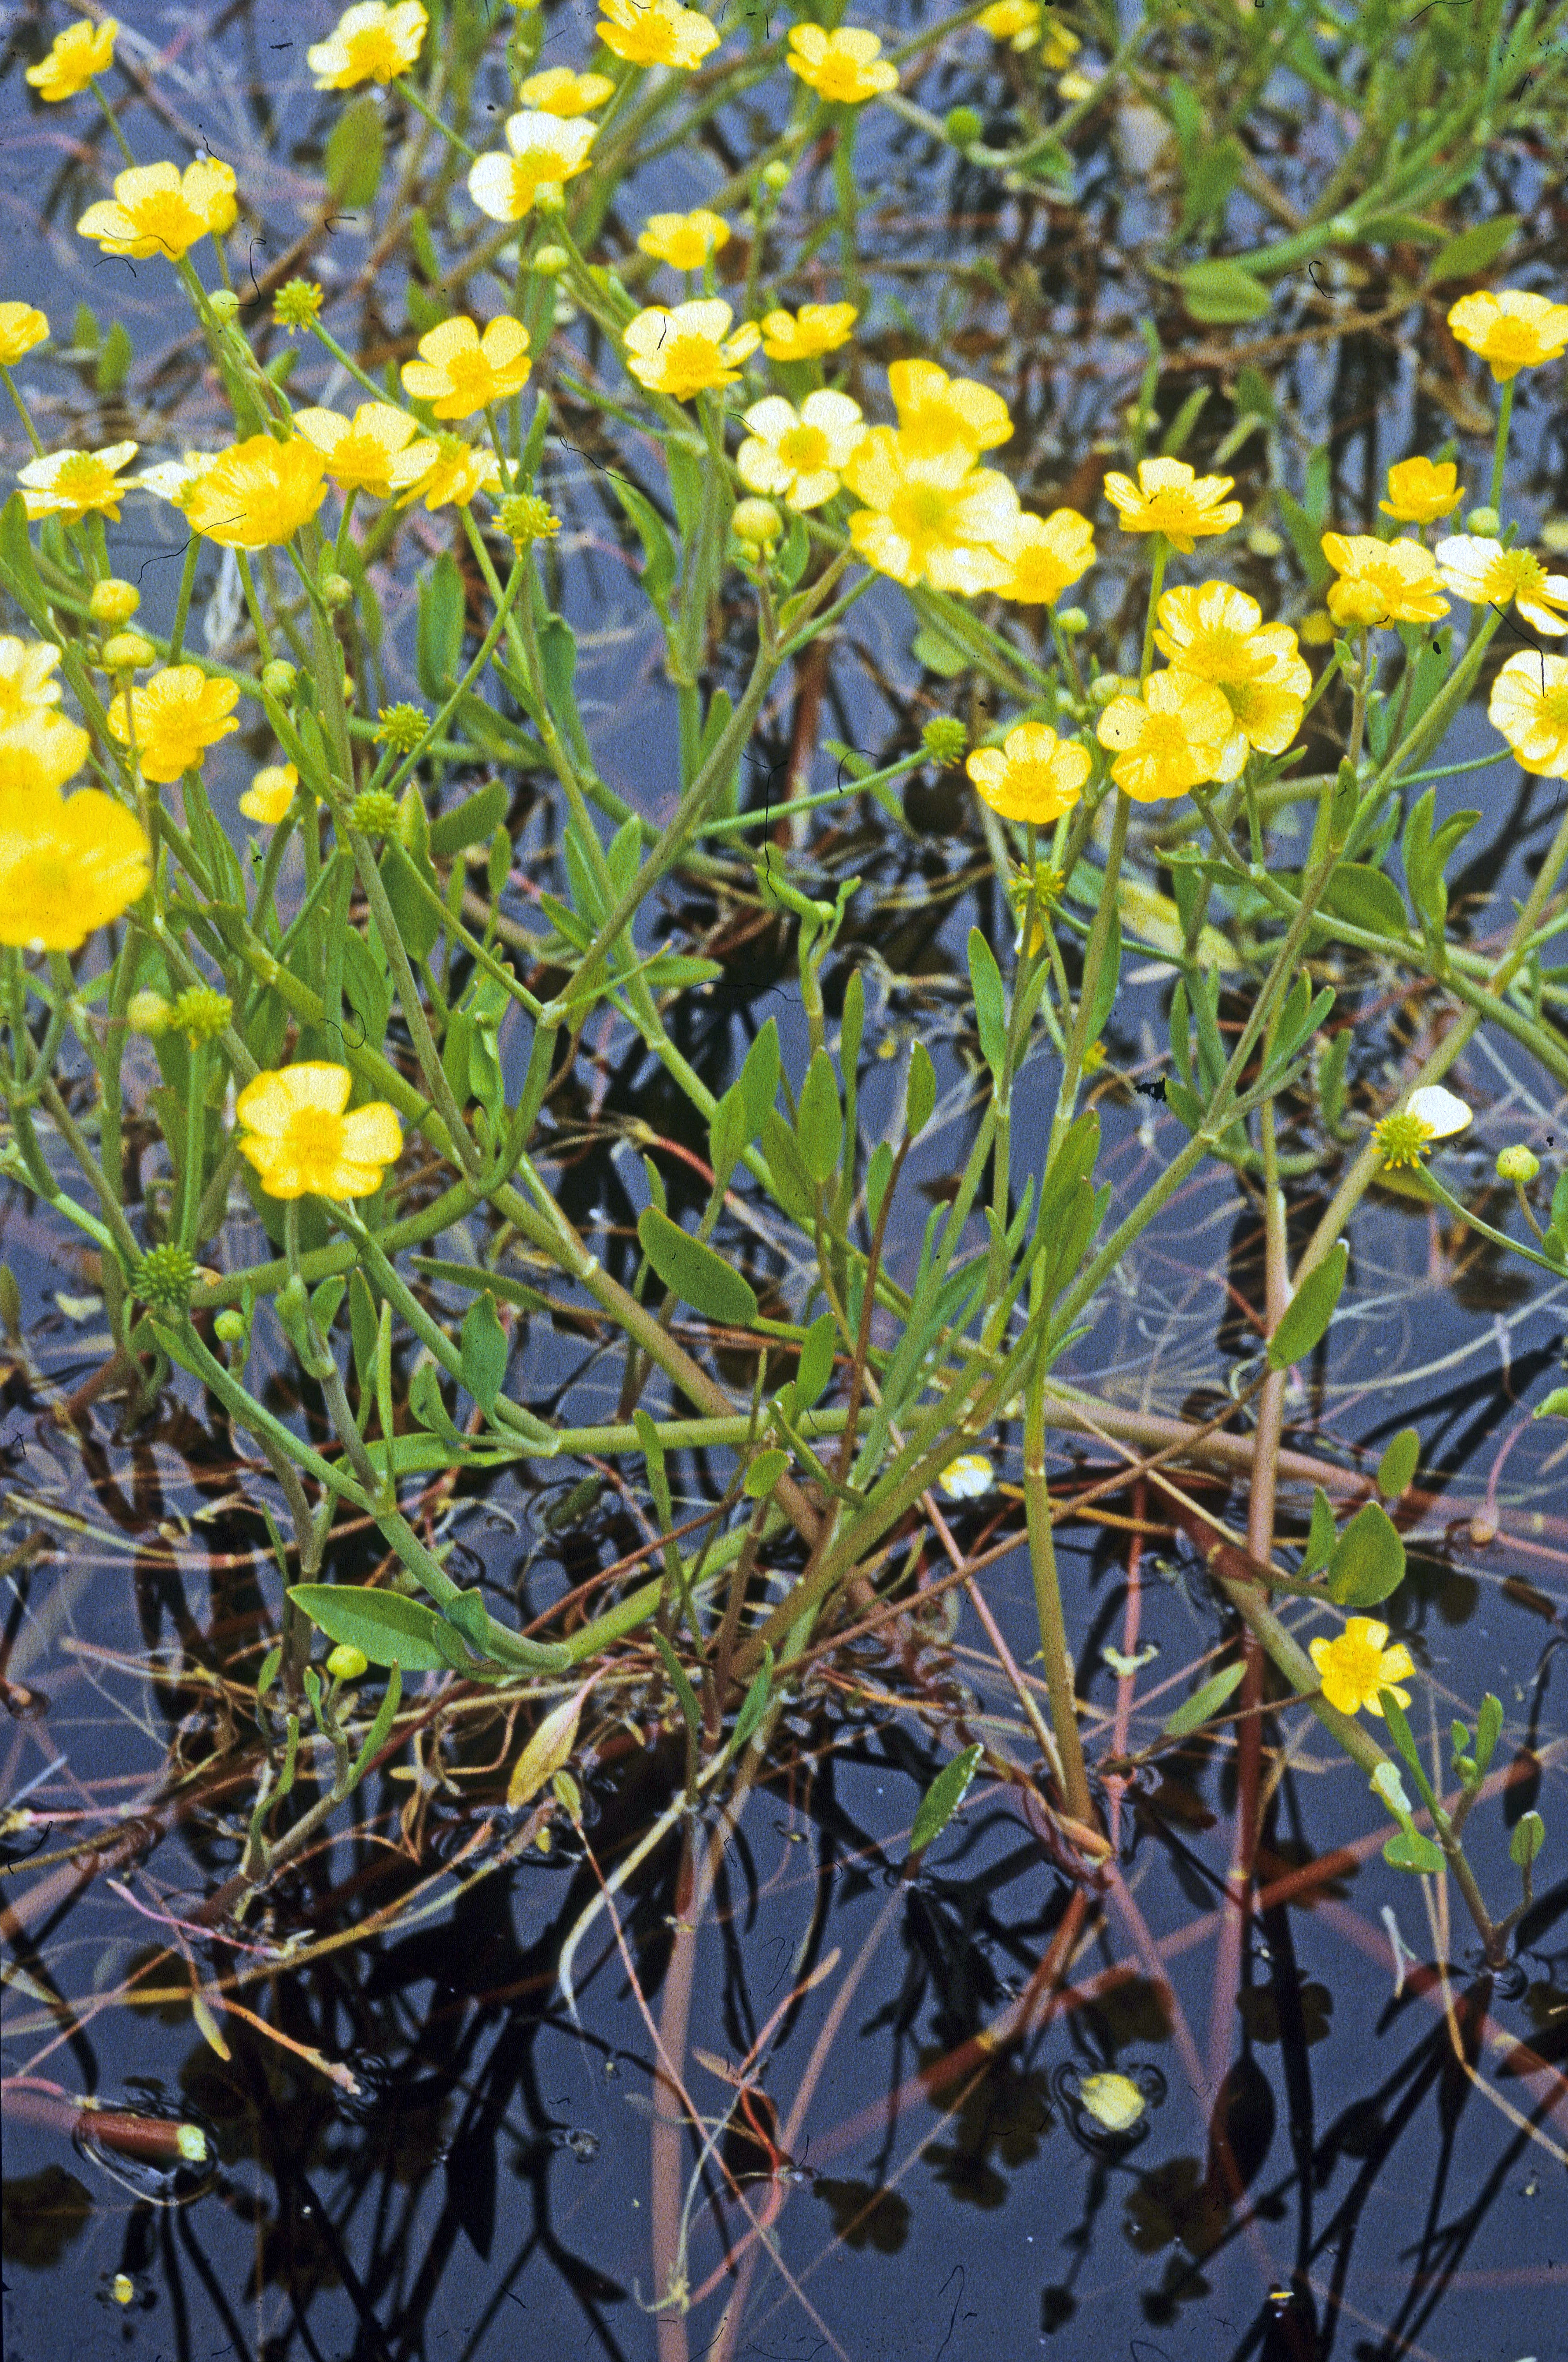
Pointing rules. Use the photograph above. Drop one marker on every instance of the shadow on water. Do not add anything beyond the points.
(465, 2079)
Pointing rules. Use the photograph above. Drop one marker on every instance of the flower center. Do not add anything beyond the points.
(165, 216)
(315, 1139)
(1513, 340)
(374, 52)
(1361, 1665)
(805, 448)
(919, 512)
(691, 363)
(471, 376)
(84, 473)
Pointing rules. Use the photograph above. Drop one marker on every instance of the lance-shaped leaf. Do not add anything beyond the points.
(1204, 1703)
(547, 1751)
(484, 1351)
(389, 1628)
(696, 1273)
(1310, 1309)
(943, 1798)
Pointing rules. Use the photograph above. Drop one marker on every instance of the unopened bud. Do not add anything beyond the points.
(225, 306)
(963, 126)
(550, 261)
(1483, 521)
(1518, 1164)
(1072, 619)
(758, 524)
(335, 589)
(113, 602)
(278, 679)
(775, 177)
(1105, 687)
(127, 652)
(147, 1012)
(549, 198)
(228, 1326)
(346, 1663)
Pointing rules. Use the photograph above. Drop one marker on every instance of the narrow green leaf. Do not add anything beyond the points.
(391, 1629)
(1368, 1562)
(1221, 295)
(990, 1002)
(759, 1077)
(943, 1798)
(792, 1183)
(754, 1706)
(820, 1127)
(727, 1136)
(686, 1695)
(438, 637)
(473, 821)
(1555, 1405)
(362, 1324)
(764, 1472)
(485, 1348)
(1397, 1466)
(1321, 1535)
(816, 1362)
(1488, 1730)
(376, 1737)
(1310, 1309)
(1204, 1703)
(1368, 898)
(426, 1403)
(920, 1090)
(355, 150)
(1473, 250)
(696, 1273)
(878, 1174)
(1404, 1739)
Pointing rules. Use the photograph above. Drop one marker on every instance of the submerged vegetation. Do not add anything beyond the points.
(310, 1052)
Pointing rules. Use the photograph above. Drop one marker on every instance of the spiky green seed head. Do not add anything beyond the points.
(164, 1278)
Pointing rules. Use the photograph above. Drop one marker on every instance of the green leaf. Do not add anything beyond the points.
(426, 1403)
(418, 921)
(816, 1362)
(754, 1706)
(792, 1183)
(920, 1090)
(658, 550)
(1399, 1730)
(1108, 981)
(819, 1126)
(467, 1614)
(1554, 1406)
(1204, 1703)
(1310, 1309)
(1368, 1561)
(759, 1077)
(376, 1737)
(366, 982)
(1397, 1464)
(113, 361)
(362, 1326)
(16, 551)
(355, 150)
(439, 639)
(764, 1472)
(943, 1798)
(1368, 898)
(878, 1174)
(990, 1002)
(686, 1695)
(1488, 1730)
(938, 654)
(485, 1351)
(1321, 1535)
(1409, 1849)
(1527, 1838)
(391, 1629)
(1473, 250)
(695, 1273)
(1221, 293)
(727, 1136)
(475, 819)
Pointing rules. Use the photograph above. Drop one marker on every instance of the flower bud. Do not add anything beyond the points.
(550, 261)
(1518, 1164)
(147, 1012)
(228, 1326)
(226, 305)
(127, 652)
(113, 602)
(963, 126)
(278, 679)
(1072, 619)
(775, 177)
(1483, 521)
(346, 1663)
(757, 523)
(1105, 687)
(1264, 542)
(549, 198)
(337, 589)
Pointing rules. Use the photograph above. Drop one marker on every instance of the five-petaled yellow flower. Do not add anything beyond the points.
(175, 716)
(1043, 555)
(1218, 634)
(1429, 1114)
(684, 350)
(370, 43)
(1530, 705)
(293, 1129)
(1382, 582)
(800, 456)
(156, 209)
(806, 335)
(847, 66)
(70, 483)
(938, 413)
(446, 469)
(1486, 575)
(544, 150)
(559, 91)
(1423, 491)
(683, 240)
(21, 327)
(1033, 774)
(656, 33)
(272, 791)
(1511, 331)
(1172, 738)
(67, 866)
(928, 517)
(358, 455)
(1359, 1663)
(1170, 498)
(258, 493)
(460, 371)
(79, 53)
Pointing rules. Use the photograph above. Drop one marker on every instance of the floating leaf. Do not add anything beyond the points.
(1397, 1466)
(547, 1751)
(943, 1798)
(1204, 1703)
(1368, 1561)
(388, 1628)
(1409, 1849)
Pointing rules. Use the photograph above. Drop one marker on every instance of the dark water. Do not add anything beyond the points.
(905, 2164)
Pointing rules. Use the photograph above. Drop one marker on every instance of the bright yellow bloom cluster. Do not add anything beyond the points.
(1019, 23)
(1485, 574)
(258, 493)
(847, 66)
(79, 53)
(1217, 633)
(360, 455)
(685, 350)
(21, 327)
(294, 1131)
(157, 210)
(683, 240)
(370, 43)
(938, 413)
(1530, 705)
(559, 91)
(1032, 775)
(460, 371)
(1381, 583)
(800, 456)
(70, 483)
(544, 150)
(806, 335)
(1419, 492)
(174, 717)
(1170, 498)
(656, 33)
(930, 514)
(1359, 1663)
(1511, 331)
(1175, 737)
(68, 865)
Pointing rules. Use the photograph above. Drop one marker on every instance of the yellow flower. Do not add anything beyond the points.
(38, 752)
(1017, 21)
(294, 1131)
(1033, 774)
(799, 457)
(848, 65)
(1169, 498)
(1044, 554)
(560, 92)
(358, 457)
(66, 866)
(656, 33)
(1511, 331)
(1530, 705)
(928, 518)
(370, 43)
(1359, 1663)
(69, 483)
(804, 335)
(79, 53)
(1420, 492)
(172, 478)
(682, 351)
(683, 240)
(1382, 582)
(1112, 2100)
(156, 210)
(1487, 575)
(545, 151)
(965, 1478)
(176, 715)
(1172, 738)
(267, 799)
(26, 689)
(458, 370)
(21, 327)
(257, 494)
(1429, 1114)
(446, 469)
(938, 413)
(1218, 634)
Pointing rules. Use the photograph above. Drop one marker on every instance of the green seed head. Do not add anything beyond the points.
(297, 305)
(963, 126)
(337, 589)
(164, 1278)
(400, 727)
(775, 176)
(229, 1327)
(525, 518)
(202, 1012)
(944, 739)
(374, 813)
